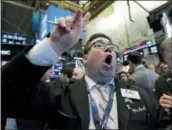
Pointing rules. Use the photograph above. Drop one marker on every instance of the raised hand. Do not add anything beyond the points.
(66, 33)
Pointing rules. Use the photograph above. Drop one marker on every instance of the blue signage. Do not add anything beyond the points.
(43, 25)
(35, 21)
(40, 25)
(54, 13)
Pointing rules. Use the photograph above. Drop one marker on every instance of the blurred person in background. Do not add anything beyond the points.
(123, 71)
(78, 73)
(131, 69)
(66, 75)
(151, 67)
(163, 89)
(142, 76)
(165, 68)
(144, 63)
(159, 67)
(162, 68)
(123, 76)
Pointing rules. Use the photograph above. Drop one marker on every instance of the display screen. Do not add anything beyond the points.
(16, 39)
(153, 49)
(10, 36)
(57, 69)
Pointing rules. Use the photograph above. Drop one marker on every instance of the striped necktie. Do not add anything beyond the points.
(104, 98)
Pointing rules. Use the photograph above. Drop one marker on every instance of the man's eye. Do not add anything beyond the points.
(99, 45)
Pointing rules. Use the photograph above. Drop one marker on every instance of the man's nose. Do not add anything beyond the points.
(107, 49)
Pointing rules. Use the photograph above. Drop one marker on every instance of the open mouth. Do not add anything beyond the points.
(108, 59)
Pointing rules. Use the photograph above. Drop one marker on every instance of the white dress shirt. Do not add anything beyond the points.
(11, 124)
(44, 55)
(96, 96)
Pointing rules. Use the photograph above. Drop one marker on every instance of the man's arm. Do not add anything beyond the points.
(20, 78)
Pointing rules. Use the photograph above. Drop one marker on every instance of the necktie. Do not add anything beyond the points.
(104, 98)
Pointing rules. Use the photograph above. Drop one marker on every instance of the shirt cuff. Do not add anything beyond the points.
(43, 54)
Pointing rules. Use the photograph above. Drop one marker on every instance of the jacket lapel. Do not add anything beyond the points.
(123, 111)
(79, 97)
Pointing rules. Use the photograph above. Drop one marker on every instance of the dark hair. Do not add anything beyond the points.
(163, 46)
(122, 72)
(125, 63)
(97, 35)
(67, 71)
(144, 64)
(135, 58)
(161, 63)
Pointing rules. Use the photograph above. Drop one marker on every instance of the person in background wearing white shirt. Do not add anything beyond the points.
(98, 101)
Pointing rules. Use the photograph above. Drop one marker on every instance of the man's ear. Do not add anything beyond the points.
(84, 59)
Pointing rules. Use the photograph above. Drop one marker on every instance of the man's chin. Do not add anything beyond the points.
(107, 73)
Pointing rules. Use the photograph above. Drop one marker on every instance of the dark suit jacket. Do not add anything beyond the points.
(64, 107)
(164, 86)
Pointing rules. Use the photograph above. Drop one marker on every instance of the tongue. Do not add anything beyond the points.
(108, 59)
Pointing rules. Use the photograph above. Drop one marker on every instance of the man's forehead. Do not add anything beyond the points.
(105, 40)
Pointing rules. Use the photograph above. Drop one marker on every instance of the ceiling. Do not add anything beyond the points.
(151, 5)
(92, 6)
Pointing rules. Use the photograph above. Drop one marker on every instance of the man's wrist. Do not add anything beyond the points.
(44, 53)
(56, 47)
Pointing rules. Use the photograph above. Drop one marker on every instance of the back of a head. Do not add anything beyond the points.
(67, 71)
(135, 58)
(78, 73)
(125, 63)
(166, 51)
(80, 69)
(166, 44)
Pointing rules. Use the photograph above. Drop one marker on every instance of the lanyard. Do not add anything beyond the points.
(97, 120)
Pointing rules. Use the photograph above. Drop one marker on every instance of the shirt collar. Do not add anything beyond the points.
(91, 83)
(139, 66)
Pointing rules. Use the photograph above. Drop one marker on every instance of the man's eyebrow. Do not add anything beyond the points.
(101, 41)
